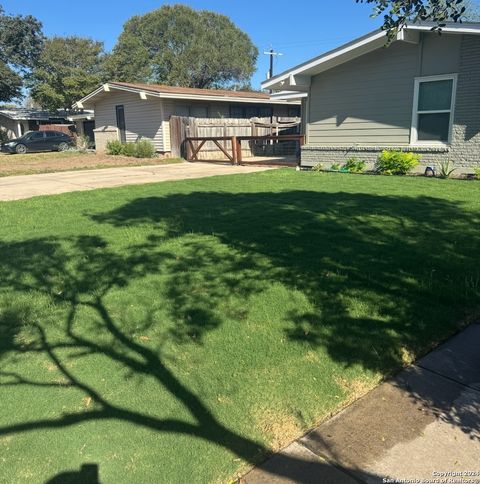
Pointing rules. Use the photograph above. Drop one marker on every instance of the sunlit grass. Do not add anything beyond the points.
(176, 332)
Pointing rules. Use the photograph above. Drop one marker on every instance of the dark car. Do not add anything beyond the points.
(38, 141)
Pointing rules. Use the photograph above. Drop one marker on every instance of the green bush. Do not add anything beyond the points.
(144, 149)
(335, 167)
(114, 147)
(141, 149)
(354, 165)
(477, 173)
(396, 162)
(317, 167)
(129, 149)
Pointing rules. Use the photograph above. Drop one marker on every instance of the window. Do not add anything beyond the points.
(198, 111)
(250, 111)
(265, 112)
(237, 112)
(120, 114)
(294, 111)
(433, 103)
(37, 135)
(51, 134)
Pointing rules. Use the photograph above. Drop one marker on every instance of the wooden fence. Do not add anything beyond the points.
(223, 129)
(234, 153)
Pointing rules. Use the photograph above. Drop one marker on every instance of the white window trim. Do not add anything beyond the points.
(414, 127)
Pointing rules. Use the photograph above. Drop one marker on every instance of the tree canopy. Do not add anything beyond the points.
(397, 13)
(180, 46)
(67, 70)
(21, 41)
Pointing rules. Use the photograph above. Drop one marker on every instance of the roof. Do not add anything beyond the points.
(161, 88)
(162, 91)
(295, 78)
(20, 114)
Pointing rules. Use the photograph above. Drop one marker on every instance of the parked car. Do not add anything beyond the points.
(38, 141)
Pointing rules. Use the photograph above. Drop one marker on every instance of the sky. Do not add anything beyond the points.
(298, 29)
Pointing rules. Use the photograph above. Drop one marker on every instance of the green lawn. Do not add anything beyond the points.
(175, 332)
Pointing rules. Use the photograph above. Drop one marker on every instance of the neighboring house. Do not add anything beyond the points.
(17, 121)
(129, 112)
(421, 94)
(84, 123)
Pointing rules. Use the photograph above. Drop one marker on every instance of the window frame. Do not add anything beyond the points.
(416, 112)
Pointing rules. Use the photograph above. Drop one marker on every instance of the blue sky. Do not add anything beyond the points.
(299, 29)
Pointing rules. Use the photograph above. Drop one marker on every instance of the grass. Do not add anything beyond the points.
(51, 162)
(178, 332)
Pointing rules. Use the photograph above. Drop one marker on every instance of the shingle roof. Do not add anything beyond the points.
(192, 91)
(26, 114)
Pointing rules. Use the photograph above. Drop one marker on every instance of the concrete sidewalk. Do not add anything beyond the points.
(27, 186)
(420, 425)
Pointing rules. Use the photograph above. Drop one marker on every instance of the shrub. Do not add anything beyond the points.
(445, 169)
(144, 149)
(396, 162)
(317, 167)
(129, 149)
(114, 147)
(83, 143)
(477, 173)
(354, 165)
(335, 167)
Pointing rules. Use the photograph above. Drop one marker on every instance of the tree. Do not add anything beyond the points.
(67, 70)
(21, 42)
(180, 46)
(397, 13)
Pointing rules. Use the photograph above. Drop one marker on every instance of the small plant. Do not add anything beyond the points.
(129, 149)
(477, 173)
(144, 149)
(396, 162)
(354, 165)
(114, 147)
(445, 169)
(335, 167)
(83, 143)
(318, 167)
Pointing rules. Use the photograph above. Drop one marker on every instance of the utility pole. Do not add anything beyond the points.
(271, 53)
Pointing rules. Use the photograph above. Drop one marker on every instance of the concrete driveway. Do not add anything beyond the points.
(27, 186)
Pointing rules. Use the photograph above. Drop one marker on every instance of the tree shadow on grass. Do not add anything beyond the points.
(413, 260)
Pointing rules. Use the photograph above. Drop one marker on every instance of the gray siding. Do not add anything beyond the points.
(368, 101)
(143, 118)
(464, 151)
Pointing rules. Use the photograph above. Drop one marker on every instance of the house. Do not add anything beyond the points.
(129, 112)
(15, 122)
(421, 93)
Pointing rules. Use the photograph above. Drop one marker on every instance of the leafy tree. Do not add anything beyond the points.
(180, 46)
(21, 41)
(397, 13)
(68, 69)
